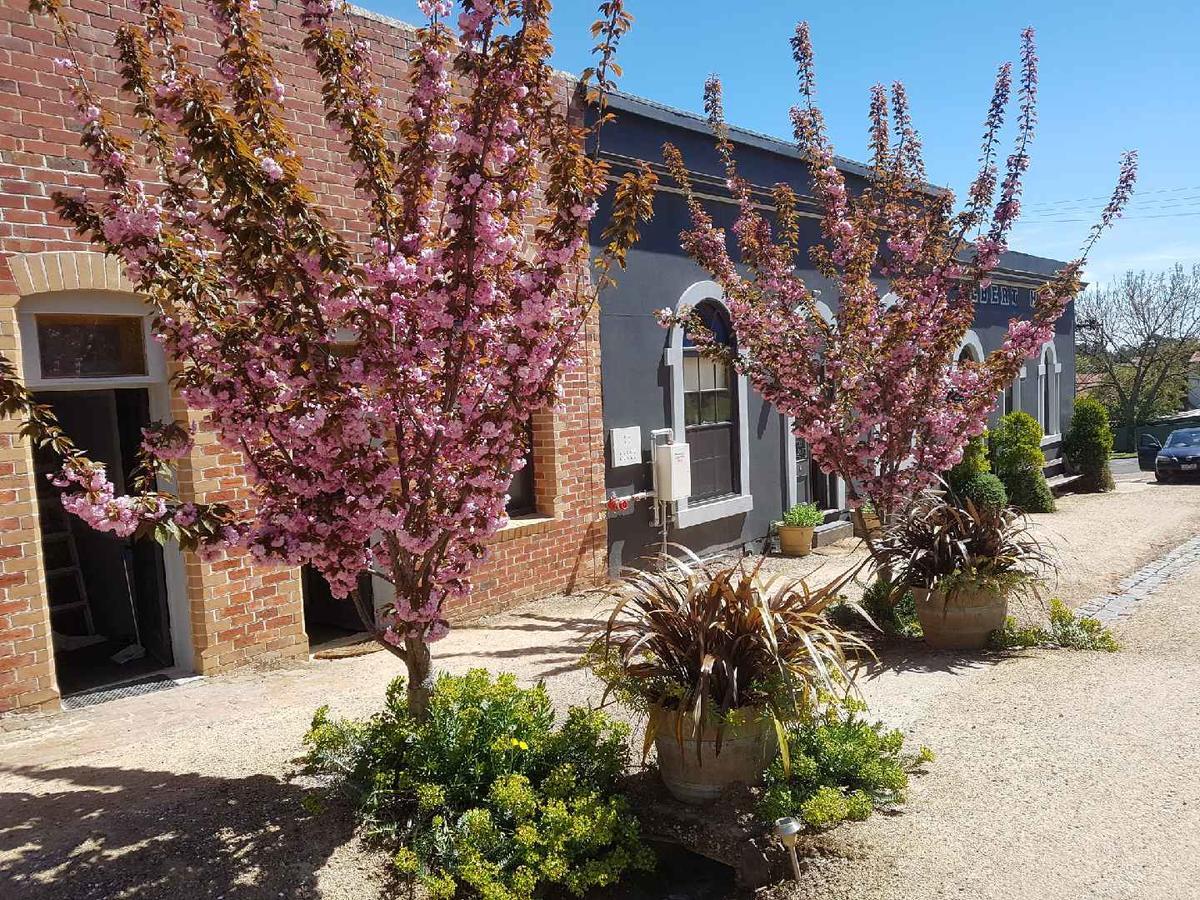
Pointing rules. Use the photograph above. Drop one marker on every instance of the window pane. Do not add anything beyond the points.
(721, 376)
(708, 376)
(708, 407)
(722, 406)
(90, 346)
(691, 373)
(691, 409)
(521, 499)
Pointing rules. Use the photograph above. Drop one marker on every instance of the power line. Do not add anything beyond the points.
(1035, 221)
(1149, 203)
(1174, 190)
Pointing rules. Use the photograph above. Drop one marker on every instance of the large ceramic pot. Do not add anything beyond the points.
(795, 540)
(961, 620)
(747, 750)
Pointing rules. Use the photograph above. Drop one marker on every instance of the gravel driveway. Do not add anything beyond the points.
(1059, 774)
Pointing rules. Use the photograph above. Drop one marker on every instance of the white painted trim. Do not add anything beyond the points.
(1053, 415)
(743, 501)
(970, 340)
(157, 386)
(100, 303)
(791, 472)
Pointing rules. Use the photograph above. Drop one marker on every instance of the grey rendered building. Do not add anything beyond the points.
(746, 467)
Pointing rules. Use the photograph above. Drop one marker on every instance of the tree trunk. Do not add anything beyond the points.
(414, 653)
(420, 677)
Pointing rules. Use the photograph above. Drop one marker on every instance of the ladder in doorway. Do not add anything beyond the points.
(65, 587)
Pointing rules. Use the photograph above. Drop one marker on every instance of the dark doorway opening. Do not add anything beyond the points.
(326, 618)
(107, 595)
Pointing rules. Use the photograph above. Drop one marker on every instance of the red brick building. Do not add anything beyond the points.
(68, 597)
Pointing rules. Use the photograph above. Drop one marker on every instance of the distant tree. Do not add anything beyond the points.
(1137, 338)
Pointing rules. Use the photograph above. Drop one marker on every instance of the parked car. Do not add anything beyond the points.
(1179, 457)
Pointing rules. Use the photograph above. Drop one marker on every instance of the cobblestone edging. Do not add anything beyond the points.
(1143, 583)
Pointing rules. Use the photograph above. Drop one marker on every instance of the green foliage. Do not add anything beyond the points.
(842, 767)
(487, 797)
(973, 463)
(984, 490)
(1088, 444)
(893, 610)
(1017, 459)
(1067, 630)
(1124, 403)
(803, 515)
(1029, 492)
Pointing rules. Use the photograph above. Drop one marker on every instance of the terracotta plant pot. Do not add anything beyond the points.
(866, 524)
(795, 540)
(746, 752)
(962, 620)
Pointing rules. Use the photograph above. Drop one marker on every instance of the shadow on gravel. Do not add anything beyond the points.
(137, 834)
(898, 655)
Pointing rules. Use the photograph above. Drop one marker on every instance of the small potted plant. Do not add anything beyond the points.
(796, 529)
(718, 659)
(962, 564)
(866, 521)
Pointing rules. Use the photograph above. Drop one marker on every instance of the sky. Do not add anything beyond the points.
(1114, 76)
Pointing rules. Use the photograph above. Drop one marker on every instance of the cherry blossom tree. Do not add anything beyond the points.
(877, 393)
(376, 384)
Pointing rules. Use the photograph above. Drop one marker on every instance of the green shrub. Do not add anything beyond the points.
(841, 767)
(1067, 630)
(1088, 445)
(803, 515)
(1017, 459)
(984, 490)
(1028, 491)
(973, 463)
(487, 797)
(894, 612)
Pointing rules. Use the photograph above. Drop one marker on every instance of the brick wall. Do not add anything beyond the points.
(237, 612)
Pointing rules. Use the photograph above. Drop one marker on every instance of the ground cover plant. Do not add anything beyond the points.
(486, 796)
(892, 608)
(841, 767)
(1067, 630)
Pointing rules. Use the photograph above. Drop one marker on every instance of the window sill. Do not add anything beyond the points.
(1049, 439)
(711, 510)
(524, 526)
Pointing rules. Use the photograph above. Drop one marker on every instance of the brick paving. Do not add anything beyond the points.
(1143, 583)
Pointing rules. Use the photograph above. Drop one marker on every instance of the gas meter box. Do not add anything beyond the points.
(674, 471)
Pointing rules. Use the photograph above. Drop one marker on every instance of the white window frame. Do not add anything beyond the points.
(970, 342)
(687, 515)
(1053, 415)
(790, 463)
(157, 385)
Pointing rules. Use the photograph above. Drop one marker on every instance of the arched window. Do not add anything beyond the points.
(971, 348)
(708, 404)
(1048, 391)
(709, 412)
